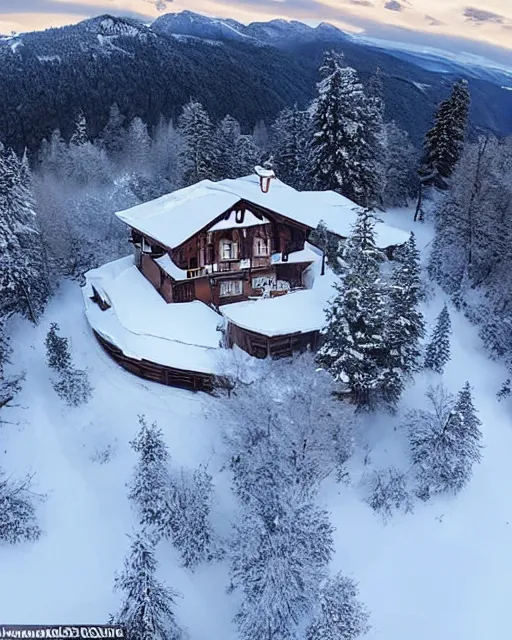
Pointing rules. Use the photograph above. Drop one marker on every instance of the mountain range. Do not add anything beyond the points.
(249, 71)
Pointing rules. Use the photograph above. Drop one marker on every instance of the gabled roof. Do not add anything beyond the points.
(176, 217)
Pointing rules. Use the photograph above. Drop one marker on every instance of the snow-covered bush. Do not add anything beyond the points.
(18, 502)
(71, 385)
(340, 615)
(445, 441)
(291, 418)
(388, 492)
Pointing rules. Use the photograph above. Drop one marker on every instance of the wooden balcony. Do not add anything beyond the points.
(196, 273)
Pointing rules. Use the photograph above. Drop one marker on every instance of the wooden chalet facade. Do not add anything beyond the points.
(240, 254)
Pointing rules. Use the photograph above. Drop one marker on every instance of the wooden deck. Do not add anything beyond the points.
(262, 346)
(180, 378)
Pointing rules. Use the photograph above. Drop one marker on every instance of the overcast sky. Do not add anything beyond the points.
(481, 27)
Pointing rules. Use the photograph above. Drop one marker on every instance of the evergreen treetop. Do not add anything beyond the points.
(438, 349)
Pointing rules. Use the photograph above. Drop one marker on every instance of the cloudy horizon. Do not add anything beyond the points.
(454, 25)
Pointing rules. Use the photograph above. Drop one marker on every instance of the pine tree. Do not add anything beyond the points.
(227, 135)
(24, 286)
(260, 135)
(444, 141)
(247, 155)
(400, 172)
(136, 147)
(111, 138)
(79, 136)
(438, 349)
(278, 562)
(151, 488)
(9, 386)
(199, 151)
(291, 147)
(404, 326)
(346, 126)
(192, 531)
(445, 442)
(70, 384)
(329, 243)
(354, 348)
(341, 615)
(147, 609)
(58, 356)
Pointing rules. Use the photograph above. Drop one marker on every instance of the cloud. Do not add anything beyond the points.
(63, 7)
(394, 5)
(361, 3)
(482, 16)
(433, 22)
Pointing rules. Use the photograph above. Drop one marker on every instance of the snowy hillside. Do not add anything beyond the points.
(439, 572)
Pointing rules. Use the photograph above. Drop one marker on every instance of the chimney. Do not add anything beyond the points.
(265, 176)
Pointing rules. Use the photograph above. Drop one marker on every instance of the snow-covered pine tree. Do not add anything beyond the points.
(136, 147)
(438, 349)
(79, 136)
(58, 356)
(400, 173)
(354, 350)
(347, 127)
(404, 324)
(151, 489)
(24, 286)
(444, 141)
(199, 153)
(388, 492)
(340, 616)
(147, 609)
(112, 135)
(260, 135)
(226, 138)
(9, 386)
(192, 535)
(445, 442)
(278, 562)
(70, 384)
(329, 243)
(291, 147)
(247, 155)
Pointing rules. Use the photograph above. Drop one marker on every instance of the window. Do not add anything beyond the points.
(228, 250)
(261, 246)
(231, 288)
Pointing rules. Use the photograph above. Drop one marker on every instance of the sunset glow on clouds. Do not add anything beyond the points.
(485, 21)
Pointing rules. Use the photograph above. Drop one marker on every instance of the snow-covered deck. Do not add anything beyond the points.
(295, 312)
(144, 327)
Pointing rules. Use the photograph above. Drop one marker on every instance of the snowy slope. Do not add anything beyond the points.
(442, 572)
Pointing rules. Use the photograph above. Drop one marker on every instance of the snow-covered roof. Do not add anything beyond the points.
(304, 255)
(183, 335)
(174, 218)
(249, 220)
(171, 268)
(294, 312)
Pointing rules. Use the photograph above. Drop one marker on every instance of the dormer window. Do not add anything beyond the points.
(228, 250)
(261, 246)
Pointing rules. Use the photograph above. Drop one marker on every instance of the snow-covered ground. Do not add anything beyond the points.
(441, 572)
